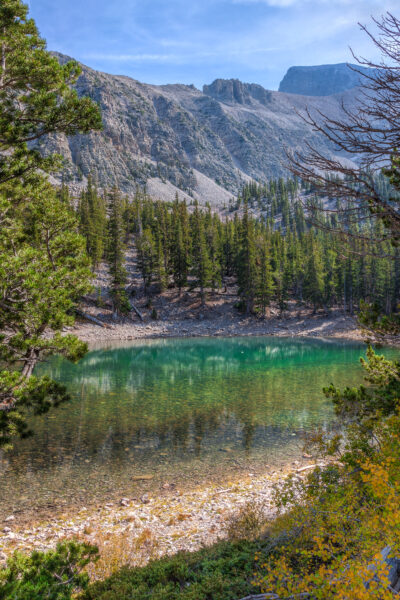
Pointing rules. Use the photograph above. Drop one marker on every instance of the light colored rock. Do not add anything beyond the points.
(176, 138)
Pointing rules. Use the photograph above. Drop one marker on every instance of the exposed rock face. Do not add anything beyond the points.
(321, 80)
(233, 90)
(176, 138)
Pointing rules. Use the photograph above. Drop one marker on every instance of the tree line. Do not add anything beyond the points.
(266, 245)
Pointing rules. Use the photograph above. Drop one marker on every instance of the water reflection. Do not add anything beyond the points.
(175, 409)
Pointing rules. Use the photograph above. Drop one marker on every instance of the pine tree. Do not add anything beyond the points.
(36, 98)
(116, 253)
(314, 276)
(265, 284)
(214, 245)
(43, 264)
(201, 264)
(160, 271)
(93, 221)
(246, 263)
(179, 259)
(147, 256)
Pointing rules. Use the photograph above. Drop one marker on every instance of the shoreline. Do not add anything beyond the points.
(164, 522)
(156, 524)
(335, 326)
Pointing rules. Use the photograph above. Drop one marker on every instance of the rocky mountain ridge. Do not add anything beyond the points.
(322, 80)
(176, 138)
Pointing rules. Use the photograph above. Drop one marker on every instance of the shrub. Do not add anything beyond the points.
(222, 572)
(53, 575)
(247, 522)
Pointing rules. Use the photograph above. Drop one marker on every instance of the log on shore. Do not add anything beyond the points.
(133, 307)
(93, 319)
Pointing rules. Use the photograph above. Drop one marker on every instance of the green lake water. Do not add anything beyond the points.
(186, 412)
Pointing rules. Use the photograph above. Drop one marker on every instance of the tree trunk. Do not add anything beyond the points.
(30, 363)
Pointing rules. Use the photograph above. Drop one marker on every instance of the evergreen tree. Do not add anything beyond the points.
(36, 98)
(161, 276)
(214, 245)
(180, 259)
(246, 263)
(265, 284)
(314, 276)
(201, 264)
(116, 253)
(147, 257)
(93, 220)
(43, 264)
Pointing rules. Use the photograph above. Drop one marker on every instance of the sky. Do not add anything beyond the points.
(197, 41)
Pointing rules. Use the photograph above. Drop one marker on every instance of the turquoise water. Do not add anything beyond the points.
(182, 412)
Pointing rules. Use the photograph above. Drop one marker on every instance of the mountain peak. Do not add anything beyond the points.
(321, 80)
(236, 92)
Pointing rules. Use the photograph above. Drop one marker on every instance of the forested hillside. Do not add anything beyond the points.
(264, 242)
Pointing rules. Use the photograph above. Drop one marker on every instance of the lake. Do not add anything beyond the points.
(183, 412)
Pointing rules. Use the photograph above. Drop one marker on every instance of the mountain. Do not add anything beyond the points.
(203, 144)
(321, 80)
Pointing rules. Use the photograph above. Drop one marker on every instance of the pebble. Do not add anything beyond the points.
(178, 520)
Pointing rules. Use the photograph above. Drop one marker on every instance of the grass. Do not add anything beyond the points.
(224, 571)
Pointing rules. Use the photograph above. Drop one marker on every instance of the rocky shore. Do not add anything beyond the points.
(135, 530)
(215, 319)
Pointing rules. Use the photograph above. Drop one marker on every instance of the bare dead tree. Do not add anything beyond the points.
(365, 143)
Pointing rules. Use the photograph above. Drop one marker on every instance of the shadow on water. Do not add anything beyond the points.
(184, 411)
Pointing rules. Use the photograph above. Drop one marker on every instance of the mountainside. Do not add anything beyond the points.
(321, 80)
(177, 138)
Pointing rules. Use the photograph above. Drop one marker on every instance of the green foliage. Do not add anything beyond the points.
(36, 98)
(246, 263)
(52, 575)
(222, 572)
(40, 280)
(93, 222)
(147, 257)
(362, 409)
(265, 283)
(336, 522)
(271, 261)
(314, 276)
(44, 268)
(23, 396)
(116, 252)
(201, 264)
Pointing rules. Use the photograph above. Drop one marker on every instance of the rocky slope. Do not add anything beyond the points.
(203, 144)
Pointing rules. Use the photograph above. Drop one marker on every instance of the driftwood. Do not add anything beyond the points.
(129, 291)
(133, 307)
(92, 319)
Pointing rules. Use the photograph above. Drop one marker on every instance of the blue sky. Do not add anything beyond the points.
(196, 41)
